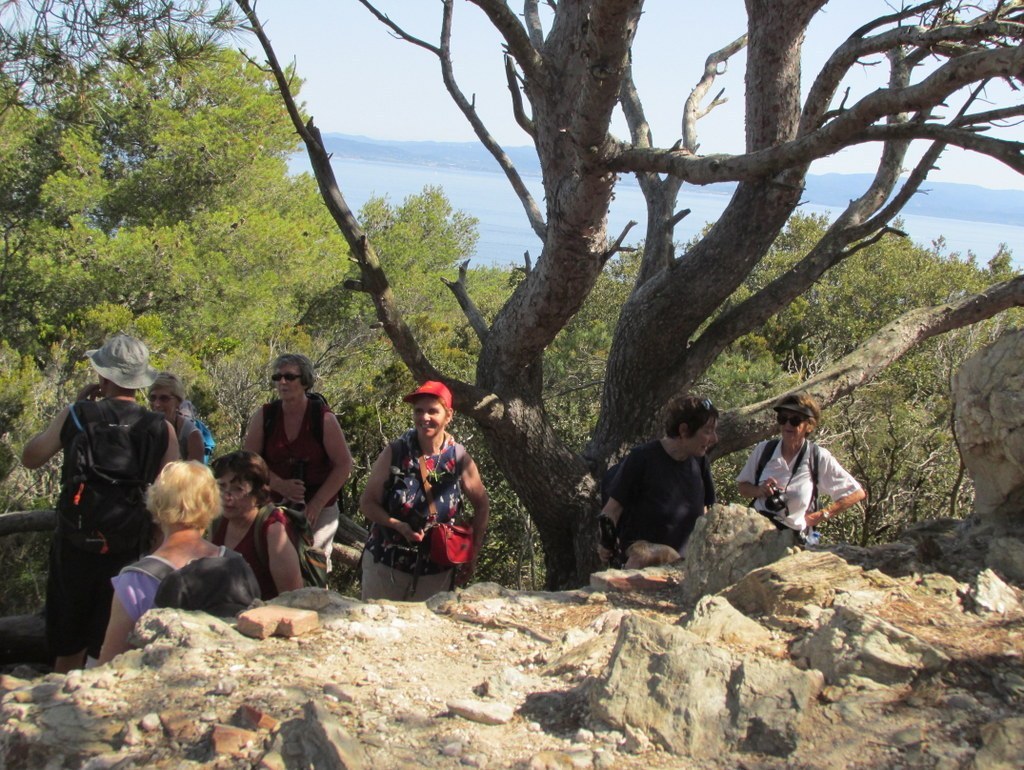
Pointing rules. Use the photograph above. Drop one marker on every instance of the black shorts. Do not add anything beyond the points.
(78, 597)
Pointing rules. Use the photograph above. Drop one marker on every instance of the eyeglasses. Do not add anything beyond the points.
(792, 419)
(288, 376)
(161, 397)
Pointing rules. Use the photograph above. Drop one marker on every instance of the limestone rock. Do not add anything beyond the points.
(484, 712)
(988, 391)
(727, 543)
(319, 740)
(193, 630)
(806, 577)
(714, 619)
(1006, 557)
(854, 645)
(697, 700)
(988, 594)
(1002, 745)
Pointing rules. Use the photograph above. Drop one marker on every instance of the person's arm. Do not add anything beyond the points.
(196, 447)
(283, 559)
(44, 445)
(116, 639)
(476, 493)
(612, 511)
(745, 482)
(289, 489)
(171, 453)
(837, 507)
(341, 466)
(373, 493)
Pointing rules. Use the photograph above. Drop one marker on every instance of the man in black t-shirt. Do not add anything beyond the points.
(82, 559)
(662, 486)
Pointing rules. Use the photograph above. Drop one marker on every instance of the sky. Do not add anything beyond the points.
(361, 80)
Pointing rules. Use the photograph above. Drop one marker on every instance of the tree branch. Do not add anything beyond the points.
(714, 65)
(373, 279)
(742, 427)
(473, 314)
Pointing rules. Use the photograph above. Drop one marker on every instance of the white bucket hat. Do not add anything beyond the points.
(124, 361)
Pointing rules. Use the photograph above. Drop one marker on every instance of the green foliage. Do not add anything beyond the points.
(895, 434)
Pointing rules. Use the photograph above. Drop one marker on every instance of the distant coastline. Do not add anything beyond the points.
(942, 200)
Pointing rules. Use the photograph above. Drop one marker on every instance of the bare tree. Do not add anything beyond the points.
(567, 77)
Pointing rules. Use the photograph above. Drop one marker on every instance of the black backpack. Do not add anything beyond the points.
(108, 463)
(221, 585)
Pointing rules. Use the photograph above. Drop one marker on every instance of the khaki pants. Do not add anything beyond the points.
(323, 531)
(383, 582)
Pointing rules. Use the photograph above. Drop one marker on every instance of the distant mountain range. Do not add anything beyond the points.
(938, 199)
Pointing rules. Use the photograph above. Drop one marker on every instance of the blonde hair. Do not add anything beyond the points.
(171, 383)
(184, 493)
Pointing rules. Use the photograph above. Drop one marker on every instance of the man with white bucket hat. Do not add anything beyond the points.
(113, 449)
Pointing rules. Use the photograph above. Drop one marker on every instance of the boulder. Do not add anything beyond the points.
(714, 619)
(988, 392)
(804, 578)
(698, 700)
(852, 646)
(727, 543)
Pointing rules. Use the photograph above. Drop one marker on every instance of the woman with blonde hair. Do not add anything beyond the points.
(166, 395)
(186, 571)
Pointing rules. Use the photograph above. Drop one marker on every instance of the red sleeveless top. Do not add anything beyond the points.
(283, 456)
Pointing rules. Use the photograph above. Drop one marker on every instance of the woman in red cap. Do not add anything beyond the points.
(418, 480)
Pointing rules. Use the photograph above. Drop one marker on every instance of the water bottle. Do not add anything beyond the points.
(813, 537)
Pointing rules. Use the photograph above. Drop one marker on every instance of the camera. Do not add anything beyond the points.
(775, 502)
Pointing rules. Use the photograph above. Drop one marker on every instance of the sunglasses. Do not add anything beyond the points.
(792, 419)
(288, 376)
(160, 397)
(706, 405)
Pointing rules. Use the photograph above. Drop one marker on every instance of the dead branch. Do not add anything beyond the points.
(714, 65)
(617, 245)
(27, 521)
(469, 308)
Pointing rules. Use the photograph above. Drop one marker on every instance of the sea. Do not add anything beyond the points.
(505, 235)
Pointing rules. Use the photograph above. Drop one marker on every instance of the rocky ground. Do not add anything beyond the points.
(816, 660)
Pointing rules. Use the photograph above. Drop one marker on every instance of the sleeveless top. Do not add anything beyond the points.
(283, 456)
(188, 427)
(246, 547)
(404, 499)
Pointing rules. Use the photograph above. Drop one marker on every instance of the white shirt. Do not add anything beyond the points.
(833, 480)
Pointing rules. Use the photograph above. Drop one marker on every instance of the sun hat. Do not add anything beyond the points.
(432, 388)
(124, 361)
(794, 406)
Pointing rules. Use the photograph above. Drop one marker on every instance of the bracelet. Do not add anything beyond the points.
(825, 513)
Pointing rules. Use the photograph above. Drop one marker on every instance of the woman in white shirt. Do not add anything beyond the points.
(797, 471)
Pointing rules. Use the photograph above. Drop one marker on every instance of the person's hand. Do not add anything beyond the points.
(604, 554)
(813, 519)
(292, 489)
(313, 510)
(768, 487)
(410, 534)
(90, 392)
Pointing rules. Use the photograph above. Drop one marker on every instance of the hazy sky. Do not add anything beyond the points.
(361, 80)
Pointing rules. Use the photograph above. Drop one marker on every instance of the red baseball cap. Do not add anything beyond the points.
(432, 388)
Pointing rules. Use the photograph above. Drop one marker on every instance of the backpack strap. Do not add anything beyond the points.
(762, 460)
(152, 566)
(258, 535)
(314, 410)
(813, 463)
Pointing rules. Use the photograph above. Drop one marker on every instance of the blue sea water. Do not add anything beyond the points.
(505, 233)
